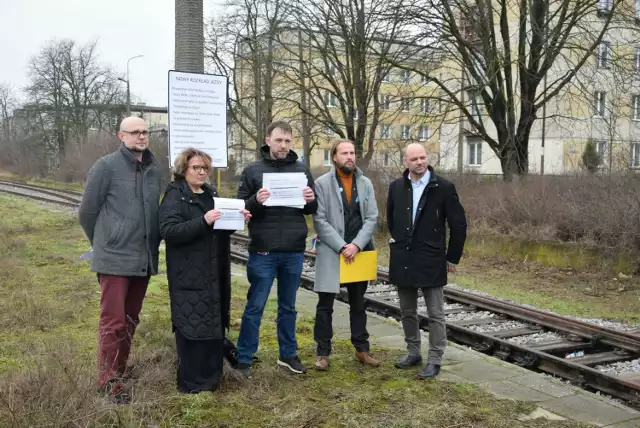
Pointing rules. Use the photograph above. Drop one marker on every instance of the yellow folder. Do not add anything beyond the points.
(363, 268)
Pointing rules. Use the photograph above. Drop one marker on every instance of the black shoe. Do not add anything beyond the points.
(230, 352)
(292, 364)
(429, 371)
(243, 370)
(116, 392)
(409, 361)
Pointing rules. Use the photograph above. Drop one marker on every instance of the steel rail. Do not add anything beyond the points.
(520, 355)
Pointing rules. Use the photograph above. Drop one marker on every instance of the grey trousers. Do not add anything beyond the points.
(434, 299)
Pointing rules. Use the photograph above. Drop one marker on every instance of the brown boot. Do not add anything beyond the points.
(322, 363)
(367, 359)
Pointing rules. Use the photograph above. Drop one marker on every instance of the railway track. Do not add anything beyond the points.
(568, 348)
(68, 198)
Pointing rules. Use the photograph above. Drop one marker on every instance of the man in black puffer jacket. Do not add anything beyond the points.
(278, 240)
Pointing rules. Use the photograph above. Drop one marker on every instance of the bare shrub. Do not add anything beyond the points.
(26, 156)
(597, 210)
(79, 158)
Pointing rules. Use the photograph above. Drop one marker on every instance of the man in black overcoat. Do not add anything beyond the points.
(420, 203)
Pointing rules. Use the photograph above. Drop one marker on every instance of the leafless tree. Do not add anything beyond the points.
(8, 102)
(495, 56)
(240, 45)
(338, 53)
(69, 93)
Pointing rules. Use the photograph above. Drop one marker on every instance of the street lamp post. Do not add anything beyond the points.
(128, 85)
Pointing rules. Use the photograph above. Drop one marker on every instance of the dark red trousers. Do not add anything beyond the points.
(120, 304)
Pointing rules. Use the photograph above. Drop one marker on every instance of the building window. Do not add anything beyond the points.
(424, 105)
(405, 132)
(635, 155)
(605, 5)
(637, 8)
(424, 132)
(474, 104)
(425, 79)
(405, 75)
(385, 76)
(331, 68)
(329, 131)
(327, 157)
(475, 152)
(603, 55)
(385, 131)
(637, 68)
(330, 99)
(635, 100)
(601, 149)
(600, 104)
(385, 102)
(406, 105)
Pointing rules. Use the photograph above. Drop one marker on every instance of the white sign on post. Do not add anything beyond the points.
(198, 115)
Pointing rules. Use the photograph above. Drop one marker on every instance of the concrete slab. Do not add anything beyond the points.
(539, 413)
(584, 408)
(481, 371)
(544, 384)
(457, 353)
(513, 391)
(463, 365)
(629, 424)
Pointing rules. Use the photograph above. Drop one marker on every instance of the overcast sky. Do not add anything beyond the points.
(123, 28)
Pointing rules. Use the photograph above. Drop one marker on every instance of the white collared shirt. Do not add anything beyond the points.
(418, 188)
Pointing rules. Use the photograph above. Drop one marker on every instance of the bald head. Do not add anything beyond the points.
(131, 123)
(416, 160)
(414, 149)
(134, 133)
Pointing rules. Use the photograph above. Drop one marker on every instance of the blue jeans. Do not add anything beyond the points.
(262, 269)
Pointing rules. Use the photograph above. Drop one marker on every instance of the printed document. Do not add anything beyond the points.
(285, 189)
(230, 216)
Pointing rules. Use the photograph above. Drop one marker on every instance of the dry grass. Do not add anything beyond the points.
(47, 359)
(591, 217)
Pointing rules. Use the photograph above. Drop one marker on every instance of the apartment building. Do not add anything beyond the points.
(405, 109)
(601, 104)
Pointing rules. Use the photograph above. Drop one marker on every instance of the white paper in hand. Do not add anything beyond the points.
(230, 216)
(285, 188)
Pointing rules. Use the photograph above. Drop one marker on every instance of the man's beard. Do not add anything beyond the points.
(135, 149)
(346, 169)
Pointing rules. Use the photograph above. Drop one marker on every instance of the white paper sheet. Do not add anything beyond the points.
(286, 189)
(230, 216)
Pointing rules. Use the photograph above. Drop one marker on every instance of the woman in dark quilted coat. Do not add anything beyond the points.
(199, 272)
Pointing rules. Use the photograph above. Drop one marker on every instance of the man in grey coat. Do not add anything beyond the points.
(345, 223)
(119, 215)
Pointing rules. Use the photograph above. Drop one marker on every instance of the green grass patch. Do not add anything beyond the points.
(553, 254)
(543, 276)
(584, 297)
(48, 364)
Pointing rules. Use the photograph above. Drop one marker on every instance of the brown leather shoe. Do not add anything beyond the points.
(322, 363)
(367, 359)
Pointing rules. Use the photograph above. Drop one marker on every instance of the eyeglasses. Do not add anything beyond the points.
(200, 168)
(137, 133)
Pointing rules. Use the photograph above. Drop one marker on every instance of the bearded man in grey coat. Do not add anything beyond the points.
(345, 223)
